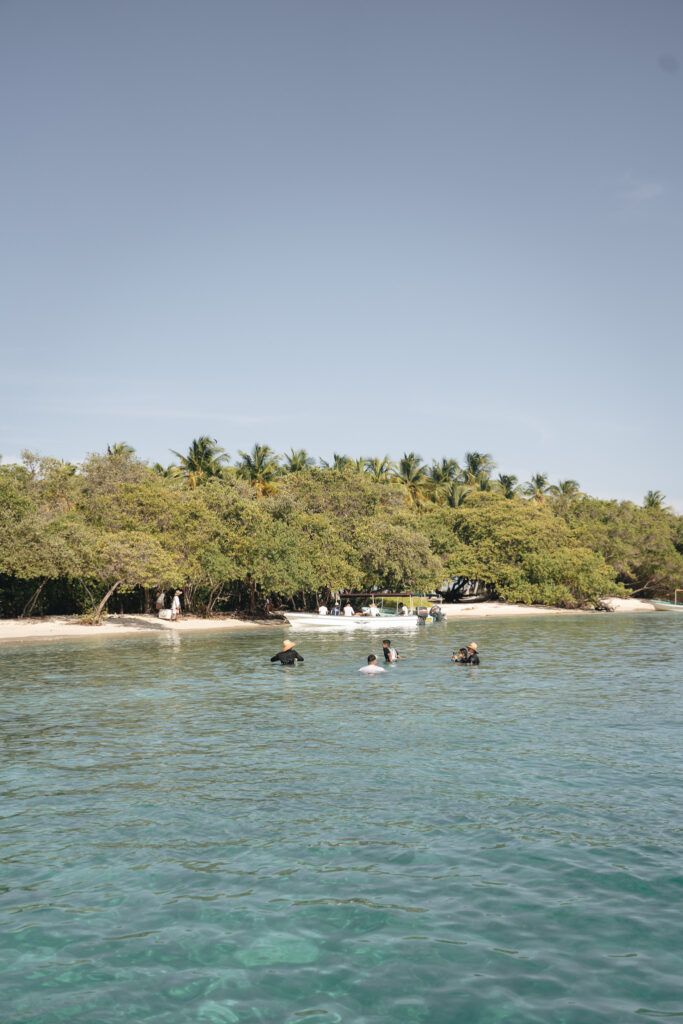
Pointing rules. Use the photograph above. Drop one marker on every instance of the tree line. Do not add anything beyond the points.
(111, 531)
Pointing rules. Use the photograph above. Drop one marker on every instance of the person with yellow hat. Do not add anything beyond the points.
(288, 655)
(472, 656)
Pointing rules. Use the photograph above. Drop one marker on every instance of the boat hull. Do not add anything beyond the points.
(360, 622)
(667, 606)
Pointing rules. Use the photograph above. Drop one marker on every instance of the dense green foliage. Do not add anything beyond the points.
(114, 530)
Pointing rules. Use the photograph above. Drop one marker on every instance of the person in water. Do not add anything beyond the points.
(372, 668)
(466, 655)
(287, 656)
(390, 653)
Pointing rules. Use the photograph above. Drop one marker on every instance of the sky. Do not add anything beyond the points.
(354, 226)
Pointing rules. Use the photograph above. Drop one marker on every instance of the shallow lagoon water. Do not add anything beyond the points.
(191, 834)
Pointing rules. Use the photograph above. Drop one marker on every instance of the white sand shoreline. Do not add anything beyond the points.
(69, 627)
(489, 609)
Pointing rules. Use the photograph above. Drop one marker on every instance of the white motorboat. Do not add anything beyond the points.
(360, 622)
(382, 620)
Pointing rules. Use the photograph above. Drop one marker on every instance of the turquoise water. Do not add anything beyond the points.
(191, 834)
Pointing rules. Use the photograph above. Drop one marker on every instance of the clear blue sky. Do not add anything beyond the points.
(364, 226)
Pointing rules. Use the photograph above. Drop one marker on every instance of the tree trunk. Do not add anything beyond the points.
(100, 607)
(148, 600)
(31, 603)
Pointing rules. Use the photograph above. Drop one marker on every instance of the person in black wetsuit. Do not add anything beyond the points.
(466, 655)
(287, 656)
(472, 656)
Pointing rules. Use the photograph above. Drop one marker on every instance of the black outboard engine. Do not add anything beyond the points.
(422, 614)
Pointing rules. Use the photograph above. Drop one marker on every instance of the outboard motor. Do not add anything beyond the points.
(437, 614)
(422, 614)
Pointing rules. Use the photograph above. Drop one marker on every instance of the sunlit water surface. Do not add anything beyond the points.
(191, 834)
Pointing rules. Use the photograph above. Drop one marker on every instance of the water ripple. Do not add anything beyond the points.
(192, 834)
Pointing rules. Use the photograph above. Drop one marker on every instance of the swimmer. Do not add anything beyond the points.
(287, 656)
(390, 653)
(372, 668)
(461, 657)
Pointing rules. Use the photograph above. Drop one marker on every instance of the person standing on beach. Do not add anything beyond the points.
(160, 601)
(175, 606)
(288, 655)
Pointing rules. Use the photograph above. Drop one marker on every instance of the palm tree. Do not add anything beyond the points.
(298, 460)
(339, 462)
(443, 472)
(565, 489)
(204, 460)
(654, 499)
(260, 468)
(168, 472)
(454, 494)
(537, 487)
(478, 467)
(412, 473)
(379, 469)
(508, 484)
(120, 448)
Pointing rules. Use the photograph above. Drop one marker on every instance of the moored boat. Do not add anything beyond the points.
(383, 619)
(315, 621)
(667, 606)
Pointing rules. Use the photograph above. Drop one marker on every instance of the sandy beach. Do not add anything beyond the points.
(69, 627)
(487, 609)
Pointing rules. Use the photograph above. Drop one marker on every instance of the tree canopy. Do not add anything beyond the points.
(76, 538)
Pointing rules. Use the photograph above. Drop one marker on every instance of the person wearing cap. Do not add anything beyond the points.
(472, 656)
(287, 656)
(175, 606)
